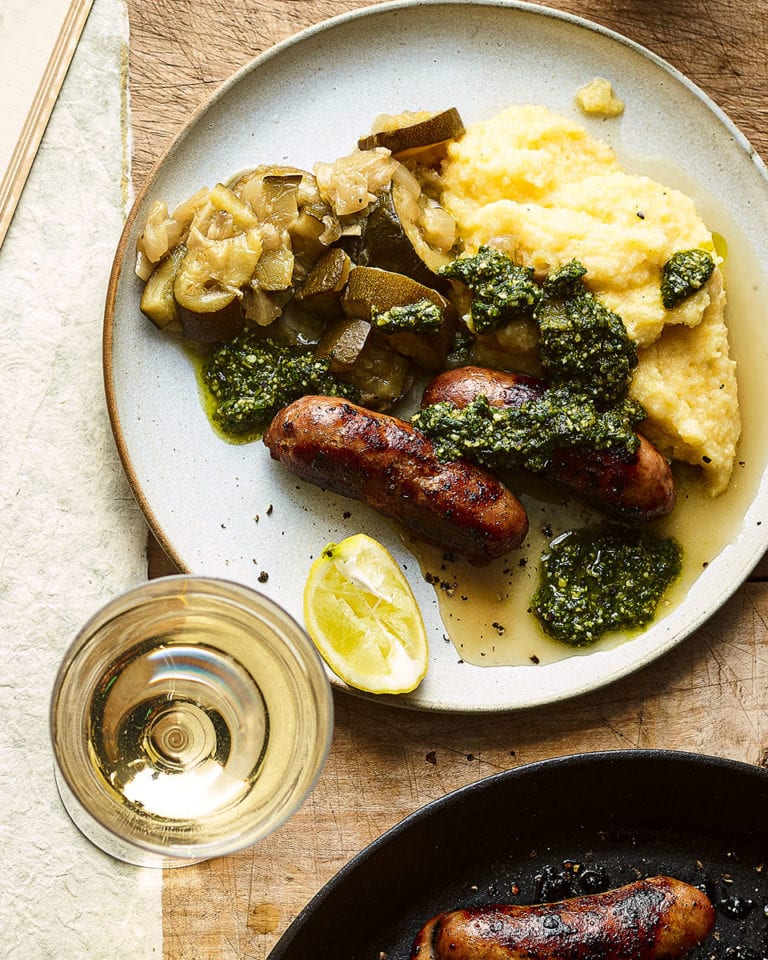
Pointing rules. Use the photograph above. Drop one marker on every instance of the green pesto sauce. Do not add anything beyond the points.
(583, 343)
(210, 404)
(421, 317)
(249, 379)
(588, 355)
(526, 436)
(501, 290)
(683, 274)
(602, 579)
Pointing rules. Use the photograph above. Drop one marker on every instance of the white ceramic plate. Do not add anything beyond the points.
(308, 99)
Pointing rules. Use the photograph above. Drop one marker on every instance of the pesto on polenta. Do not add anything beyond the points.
(539, 186)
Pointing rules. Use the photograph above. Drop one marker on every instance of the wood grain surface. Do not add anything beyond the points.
(709, 695)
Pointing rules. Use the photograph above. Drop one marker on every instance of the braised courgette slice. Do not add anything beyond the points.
(311, 235)
(278, 207)
(157, 300)
(380, 373)
(343, 342)
(385, 243)
(325, 284)
(274, 271)
(373, 291)
(226, 200)
(404, 138)
(417, 214)
(287, 200)
(394, 236)
(261, 307)
(371, 288)
(263, 185)
(223, 324)
(207, 286)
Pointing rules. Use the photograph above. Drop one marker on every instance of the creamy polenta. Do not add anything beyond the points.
(539, 185)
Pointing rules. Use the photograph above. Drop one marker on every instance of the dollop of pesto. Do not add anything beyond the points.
(598, 580)
(589, 358)
(527, 436)
(251, 378)
(420, 317)
(501, 290)
(583, 343)
(683, 274)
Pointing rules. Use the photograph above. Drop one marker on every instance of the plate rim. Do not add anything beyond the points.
(600, 758)
(121, 263)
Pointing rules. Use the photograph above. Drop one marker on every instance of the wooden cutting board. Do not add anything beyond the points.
(710, 695)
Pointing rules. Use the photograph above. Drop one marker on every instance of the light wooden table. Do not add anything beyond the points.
(710, 695)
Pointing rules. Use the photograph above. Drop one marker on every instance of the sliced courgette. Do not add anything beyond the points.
(392, 238)
(324, 286)
(343, 342)
(381, 374)
(157, 300)
(227, 201)
(404, 138)
(371, 290)
(223, 324)
(385, 243)
(274, 271)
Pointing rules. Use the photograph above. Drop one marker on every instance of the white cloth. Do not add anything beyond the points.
(71, 535)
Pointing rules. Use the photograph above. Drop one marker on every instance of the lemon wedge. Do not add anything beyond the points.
(363, 617)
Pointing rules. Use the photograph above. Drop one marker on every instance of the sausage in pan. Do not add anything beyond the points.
(655, 919)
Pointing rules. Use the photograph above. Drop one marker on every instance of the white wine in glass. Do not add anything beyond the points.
(190, 718)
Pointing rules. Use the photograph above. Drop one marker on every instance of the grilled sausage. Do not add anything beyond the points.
(639, 488)
(655, 919)
(388, 464)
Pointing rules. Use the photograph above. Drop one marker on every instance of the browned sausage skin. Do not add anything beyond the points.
(424, 945)
(388, 464)
(655, 919)
(640, 489)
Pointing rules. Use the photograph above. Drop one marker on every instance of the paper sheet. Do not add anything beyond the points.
(28, 35)
(37, 41)
(71, 535)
